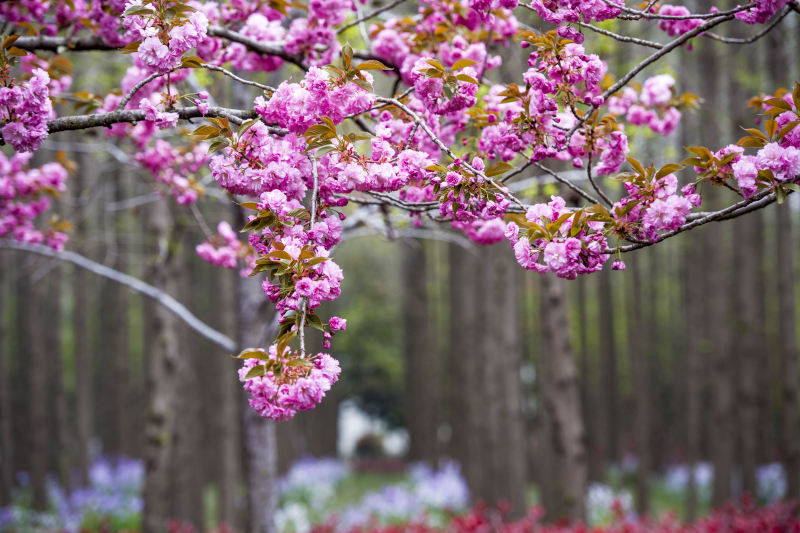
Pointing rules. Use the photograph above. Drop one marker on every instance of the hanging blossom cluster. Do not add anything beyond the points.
(25, 195)
(282, 385)
(176, 168)
(226, 250)
(554, 238)
(25, 109)
(642, 109)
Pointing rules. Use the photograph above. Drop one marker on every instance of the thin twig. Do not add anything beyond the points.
(594, 185)
(703, 16)
(568, 183)
(755, 37)
(237, 78)
(132, 92)
(201, 220)
(621, 38)
(369, 15)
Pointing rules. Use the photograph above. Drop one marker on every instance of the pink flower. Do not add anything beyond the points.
(337, 323)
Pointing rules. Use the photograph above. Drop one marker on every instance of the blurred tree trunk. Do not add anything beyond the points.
(83, 368)
(503, 444)
(721, 421)
(586, 386)
(38, 373)
(188, 467)
(228, 413)
(561, 399)
(54, 349)
(6, 435)
(694, 311)
(422, 370)
(465, 404)
(788, 350)
(163, 378)
(641, 386)
(608, 372)
(749, 342)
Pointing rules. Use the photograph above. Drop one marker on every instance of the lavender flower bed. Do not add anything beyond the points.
(113, 499)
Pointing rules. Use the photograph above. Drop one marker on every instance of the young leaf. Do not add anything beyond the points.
(468, 79)
(246, 126)
(300, 213)
(435, 64)
(372, 64)
(666, 170)
(787, 128)
(780, 194)
(637, 166)
(495, 169)
(9, 41)
(771, 126)
(252, 353)
(250, 205)
(255, 372)
(367, 86)
(14, 51)
(463, 63)
(779, 102)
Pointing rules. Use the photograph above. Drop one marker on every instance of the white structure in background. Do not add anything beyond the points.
(354, 423)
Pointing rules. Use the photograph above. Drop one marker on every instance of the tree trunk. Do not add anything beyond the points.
(164, 365)
(6, 435)
(230, 405)
(641, 385)
(694, 313)
(465, 404)
(788, 350)
(54, 349)
(749, 347)
(608, 372)
(38, 394)
(83, 367)
(561, 399)
(188, 468)
(422, 372)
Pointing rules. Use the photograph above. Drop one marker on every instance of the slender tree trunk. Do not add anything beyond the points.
(561, 399)
(54, 349)
(464, 359)
(694, 313)
(6, 435)
(641, 386)
(164, 365)
(230, 405)
(188, 465)
(788, 350)
(750, 351)
(38, 395)
(608, 372)
(83, 368)
(422, 370)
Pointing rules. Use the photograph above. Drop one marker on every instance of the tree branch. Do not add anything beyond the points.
(569, 184)
(369, 15)
(221, 340)
(755, 37)
(621, 38)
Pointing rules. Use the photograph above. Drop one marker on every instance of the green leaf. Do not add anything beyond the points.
(256, 371)
(780, 194)
(314, 321)
(637, 166)
(300, 213)
(324, 150)
(372, 64)
(216, 147)
(666, 170)
(495, 169)
(779, 102)
(435, 64)
(468, 79)
(316, 261)
(284, 341)
(246, 126)
(138, 10)
(787, 128)
(367, 86)
(793, 187)
(252, 353)
(463, 63)
(280, 254)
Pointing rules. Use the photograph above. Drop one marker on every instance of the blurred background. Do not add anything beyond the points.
(671, 386)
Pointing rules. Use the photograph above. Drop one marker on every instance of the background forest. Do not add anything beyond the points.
(686, 362)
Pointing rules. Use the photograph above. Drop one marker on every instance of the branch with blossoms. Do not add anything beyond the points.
(446, 146)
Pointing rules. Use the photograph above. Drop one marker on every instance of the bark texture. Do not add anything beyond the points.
(561, 400)
(162, 376)
(422, 369)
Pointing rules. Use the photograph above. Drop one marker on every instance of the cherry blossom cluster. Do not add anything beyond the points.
(657, 95)
(676, 26)
(568, 243)
(162, 40)
(176, 168)
(25, 195)
(282, 385)
(25, 109)
(225, 249)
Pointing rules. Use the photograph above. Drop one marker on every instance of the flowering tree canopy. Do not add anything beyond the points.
(443, 144)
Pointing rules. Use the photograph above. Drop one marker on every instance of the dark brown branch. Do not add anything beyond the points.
(369, 15)
(755, 37)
